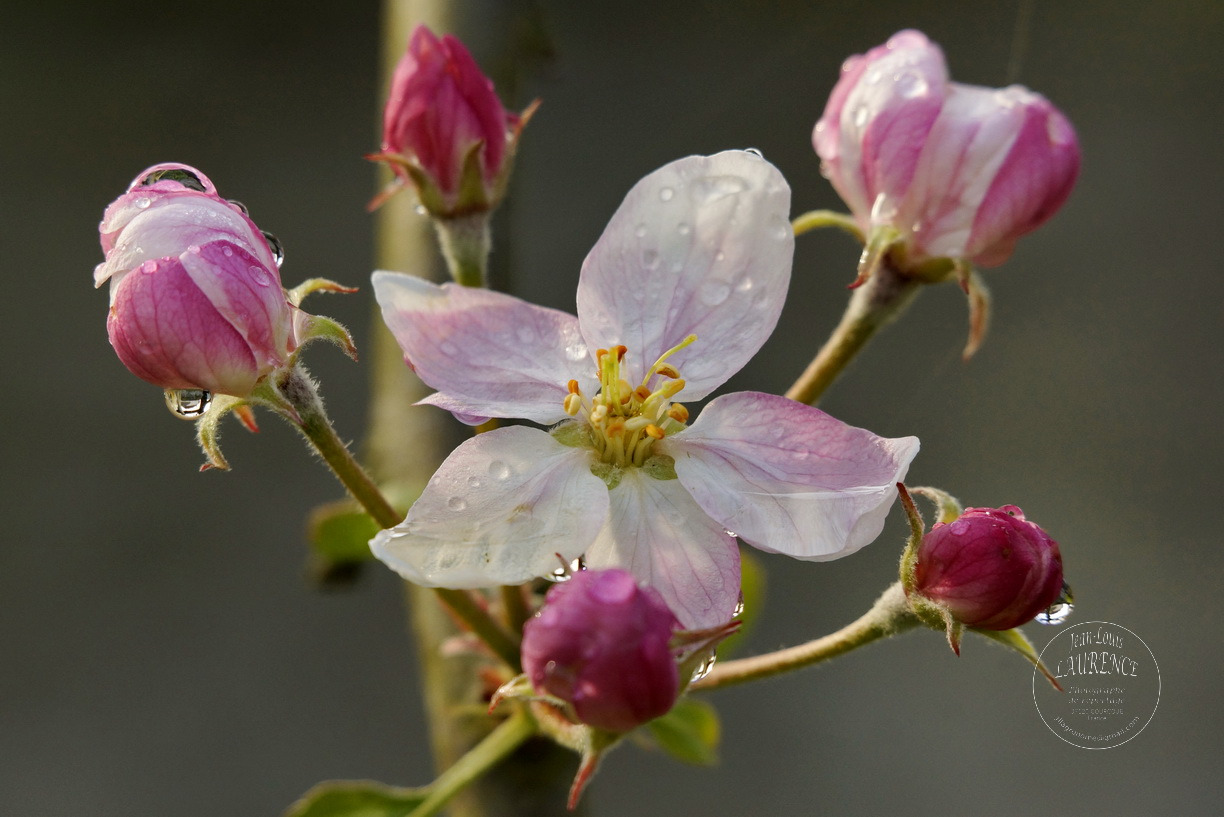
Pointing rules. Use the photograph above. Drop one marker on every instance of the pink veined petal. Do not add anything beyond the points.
(657, 533)
(1033, 182)
(700, 246)
(498, 511)
(488, 354)
(788, 478)
(974, 134)
(246, 294)
(883, 121)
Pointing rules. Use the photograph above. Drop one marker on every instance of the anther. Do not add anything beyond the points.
(653, 430)
(598, 414)
(572, 386)
(668, 370)
(642, 393)
(620, 353)
(572, 404)
(678, 413)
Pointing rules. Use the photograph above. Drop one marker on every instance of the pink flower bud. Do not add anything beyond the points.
(195, 294)
(990, 568)
(442, 121)
(602, 643)
(959, 171)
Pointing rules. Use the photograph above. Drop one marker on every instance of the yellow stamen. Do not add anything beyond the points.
(678, 413)
(572, 387)
(653, 430)
(667, 370)
(572, 404)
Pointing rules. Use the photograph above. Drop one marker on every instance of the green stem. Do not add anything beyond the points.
(302, 396)
(890, 615)
(465, 243)
(881, 298)
(819, 219)
(514, 601)
(496, 746)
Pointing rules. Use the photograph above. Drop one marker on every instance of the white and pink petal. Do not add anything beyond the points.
(488, 354)
(788, 478)
(657, 533)
(499, 510)
(700, 246)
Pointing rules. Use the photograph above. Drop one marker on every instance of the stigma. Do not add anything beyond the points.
(626, 420)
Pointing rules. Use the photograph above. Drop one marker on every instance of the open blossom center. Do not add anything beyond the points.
(626, 420)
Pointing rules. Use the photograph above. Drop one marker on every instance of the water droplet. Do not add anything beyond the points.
(650, 259)
(744, 284)
(734, 535)
(194, 249)
(755, 152)
(683, 228)
(278, 250)
(703, 669)
(566, 572)
(721, 256)
(177, 174)
(640, 232)
(739, 607)
(714, 293)
(228, 252)
(910, 84)
(499, 470)
(259, 275)
(420, 210)
(456, 503)
(1060, 610)
(860, 117)
(189, 404)
(667, 194)
(873, 77)
(143, 202)
(149, 266)
(475, 481)
(241, 207)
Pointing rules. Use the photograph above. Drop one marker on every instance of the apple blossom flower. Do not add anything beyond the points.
(956, 171)
(195, 294)
(445, 130)
(603, 645)
(990, 568)
(681, 290)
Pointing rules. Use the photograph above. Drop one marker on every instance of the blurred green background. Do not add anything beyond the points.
(161, 651)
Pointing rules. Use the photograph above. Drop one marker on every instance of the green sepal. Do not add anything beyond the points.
(949, 506)
(357, 798)
(1016, 640)
(208, 428)
(311, 285)
(979, 311)
(472, 197)
(660, 466)
(309, 327)
(572, 434)
(690, 732)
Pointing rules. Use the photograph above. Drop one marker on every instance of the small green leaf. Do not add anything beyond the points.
(357, 798)
(689, 732)
(341, 532)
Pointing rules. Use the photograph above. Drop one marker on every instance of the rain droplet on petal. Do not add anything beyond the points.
(714, 293)
(1060, 610)
(184, 177)
(456, 503)
(739, 607)
(499, 470)
(640, 232)
(149, 266)
(242, 208)
(683, 228)
(754, 152)
(667, 194)
(910, 84)
(860, 116)
(650, 259)
(278, 250)
(703, 669)
(143, 202)
(188, 404)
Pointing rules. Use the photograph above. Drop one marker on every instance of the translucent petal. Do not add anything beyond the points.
(498, 511)
(787, 477)
(700, 246)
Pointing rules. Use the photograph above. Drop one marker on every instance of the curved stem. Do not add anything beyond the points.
(819, 219)
(880, 299)
(302, 397)
(890, 615)
(496, 746)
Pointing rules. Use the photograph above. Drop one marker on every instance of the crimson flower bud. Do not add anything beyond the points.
(957, 171)
(195, 293)
(601, 643)
(990, 568)
(445, 130)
